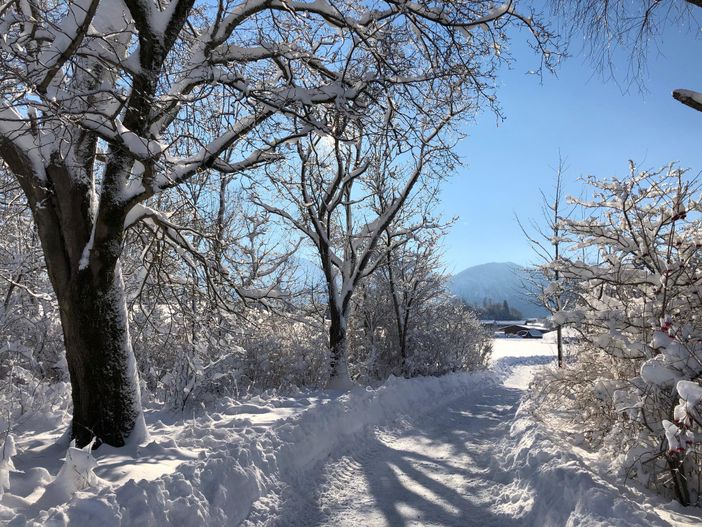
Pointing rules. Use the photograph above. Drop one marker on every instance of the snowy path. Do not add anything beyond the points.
(443, 470)
(455, 450)
(469, 462)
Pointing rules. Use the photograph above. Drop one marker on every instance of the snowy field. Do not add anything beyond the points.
(456, 450)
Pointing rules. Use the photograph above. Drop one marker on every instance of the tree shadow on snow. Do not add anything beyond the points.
(438, 471)
(455, 481)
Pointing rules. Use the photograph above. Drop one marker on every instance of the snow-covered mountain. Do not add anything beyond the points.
(495, 282)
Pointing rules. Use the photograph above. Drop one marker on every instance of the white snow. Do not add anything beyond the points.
(6, 465)
(85, 256)
(690, 391)
(494, 13)
(677, 439)
(687, 411)
(461, 449)
(76, 474)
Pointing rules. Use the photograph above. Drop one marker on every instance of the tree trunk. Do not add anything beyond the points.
(339, 378)
(82, 258)
(399, 319)
(675, 464)
(104, 378)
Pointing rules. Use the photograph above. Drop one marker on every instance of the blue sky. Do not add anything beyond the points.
(594, 125)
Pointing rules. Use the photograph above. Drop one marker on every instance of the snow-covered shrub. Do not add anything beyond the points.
(213, 354)
(30, 332)
(190, 345)
(218, 322)
(639, 301)
(442, 335)
(586, 390)
(448, 338)
(31, 341)
(283, 350)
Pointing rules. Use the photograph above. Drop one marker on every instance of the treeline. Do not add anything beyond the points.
(202, 332)
(490, 310)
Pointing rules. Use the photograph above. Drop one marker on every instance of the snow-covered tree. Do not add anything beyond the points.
(413, 278)
(406, 323)
(639, 301)
(332, 195)
(107, 104)
(545, 280)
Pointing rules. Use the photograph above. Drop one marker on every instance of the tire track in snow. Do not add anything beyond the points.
(441, 470)
(475, 460)
(472, 460)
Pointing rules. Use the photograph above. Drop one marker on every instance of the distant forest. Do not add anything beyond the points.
(490, 310)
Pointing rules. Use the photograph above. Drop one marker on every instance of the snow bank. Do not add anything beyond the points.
(560, 484)
(259, 460)
(278, 443)
(564, 485)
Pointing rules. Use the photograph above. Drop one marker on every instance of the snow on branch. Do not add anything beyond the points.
(69, 35)
(15, 131)
(689, 98)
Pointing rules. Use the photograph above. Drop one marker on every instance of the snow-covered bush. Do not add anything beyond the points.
(585, 389)
(220, 323)
(31, 349)
(448, 337)
(201, 354)
(29, 324)
(441, 334)
(284, 350)
(639, 295)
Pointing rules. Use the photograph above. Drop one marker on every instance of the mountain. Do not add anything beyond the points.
(495, 282)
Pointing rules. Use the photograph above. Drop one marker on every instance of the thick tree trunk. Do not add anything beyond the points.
(106, 397)
(339, 378)
(82, 258)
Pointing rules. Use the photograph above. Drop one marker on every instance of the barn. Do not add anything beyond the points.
(523, 331)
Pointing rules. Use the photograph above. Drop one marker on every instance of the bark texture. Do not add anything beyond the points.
(338, 346)
(106, 398)
(82, 248)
